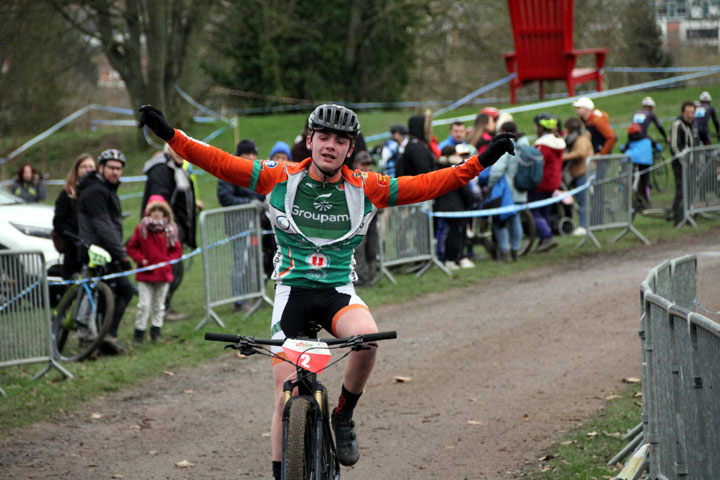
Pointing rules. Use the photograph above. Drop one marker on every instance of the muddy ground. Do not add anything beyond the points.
(497, 372)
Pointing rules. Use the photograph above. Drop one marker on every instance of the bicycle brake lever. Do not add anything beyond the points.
(359, 345)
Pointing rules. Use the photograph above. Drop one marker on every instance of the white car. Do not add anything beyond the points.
(26, 226)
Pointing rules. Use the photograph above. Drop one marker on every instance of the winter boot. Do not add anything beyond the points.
(155, 334)
(504, 256)
(138, 336)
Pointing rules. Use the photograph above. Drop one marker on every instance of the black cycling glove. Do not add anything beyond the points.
(498, 146)
(153, 118)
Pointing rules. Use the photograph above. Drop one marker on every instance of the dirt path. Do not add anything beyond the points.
(524, 358)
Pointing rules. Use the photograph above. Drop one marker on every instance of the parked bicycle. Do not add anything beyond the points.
(307, 441)
(84, 314)
(660, 176)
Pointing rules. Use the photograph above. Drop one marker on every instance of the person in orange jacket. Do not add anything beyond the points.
(597, 123)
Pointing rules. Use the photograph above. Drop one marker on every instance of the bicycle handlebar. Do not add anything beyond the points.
(368, 337)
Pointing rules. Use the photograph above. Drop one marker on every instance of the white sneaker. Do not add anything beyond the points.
(451, 265)
(466, 263)
(579, 232)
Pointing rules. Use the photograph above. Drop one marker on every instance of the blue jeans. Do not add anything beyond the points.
(580, 198)
(508, 233)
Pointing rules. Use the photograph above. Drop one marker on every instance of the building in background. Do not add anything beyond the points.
(689, 22)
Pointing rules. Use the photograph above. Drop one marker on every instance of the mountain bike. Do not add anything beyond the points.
(307, 441)
(84, 313)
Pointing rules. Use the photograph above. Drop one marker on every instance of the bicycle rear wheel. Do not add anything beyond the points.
(298, 451)
(81, 322)
(529, 231)
(660, 178)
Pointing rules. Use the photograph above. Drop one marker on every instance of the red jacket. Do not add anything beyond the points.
(552, 149)
(154, 249)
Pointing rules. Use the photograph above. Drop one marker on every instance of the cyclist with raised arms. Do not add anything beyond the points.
(646, 116)
(320, 211)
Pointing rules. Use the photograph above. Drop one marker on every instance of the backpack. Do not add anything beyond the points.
(58, 241)
(530, 168)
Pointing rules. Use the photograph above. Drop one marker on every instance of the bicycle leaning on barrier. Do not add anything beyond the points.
(84, 313)
(308, 447)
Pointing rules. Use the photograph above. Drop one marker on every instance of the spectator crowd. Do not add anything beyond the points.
(88, 205)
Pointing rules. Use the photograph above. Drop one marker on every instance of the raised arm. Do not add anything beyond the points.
(236, 170)
(387, 192)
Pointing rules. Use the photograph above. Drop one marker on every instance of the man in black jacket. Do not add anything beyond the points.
(100, 223)
(683, 135)
(167, 177)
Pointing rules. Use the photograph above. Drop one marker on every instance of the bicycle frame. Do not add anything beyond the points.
(74, 290)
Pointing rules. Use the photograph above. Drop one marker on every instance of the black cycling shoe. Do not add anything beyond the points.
(345, 439)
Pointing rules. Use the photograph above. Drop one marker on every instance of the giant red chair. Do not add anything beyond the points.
(543, 35)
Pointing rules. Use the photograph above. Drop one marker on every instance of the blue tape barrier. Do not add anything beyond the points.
(195, 252)
(474, 94)
(697, 72)
(662, 69)
(16, 297)
(198, 105)
(73, 116)
(511, 208)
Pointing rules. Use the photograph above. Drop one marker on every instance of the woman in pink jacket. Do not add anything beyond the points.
(154, 241)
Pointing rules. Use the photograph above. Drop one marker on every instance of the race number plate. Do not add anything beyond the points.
(309, 354)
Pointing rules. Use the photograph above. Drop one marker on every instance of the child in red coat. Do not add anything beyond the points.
(155, 241)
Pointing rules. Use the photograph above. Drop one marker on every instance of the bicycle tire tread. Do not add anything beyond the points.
(295, 449)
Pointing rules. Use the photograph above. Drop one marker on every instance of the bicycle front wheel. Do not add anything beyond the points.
(81, 322)
(298, 447)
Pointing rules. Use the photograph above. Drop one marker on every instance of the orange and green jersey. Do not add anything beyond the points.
(318, 224)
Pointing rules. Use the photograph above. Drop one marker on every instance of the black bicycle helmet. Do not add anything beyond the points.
(111, 154)
(334, 118)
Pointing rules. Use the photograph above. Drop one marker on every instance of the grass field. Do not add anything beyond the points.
(29, 401)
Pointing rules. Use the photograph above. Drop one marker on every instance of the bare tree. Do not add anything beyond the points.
(37, 73)
(151, 44)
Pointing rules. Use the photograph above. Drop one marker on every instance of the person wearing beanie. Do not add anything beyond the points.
(246, 148)
(154, 241)
(417, 157)
(280, 152)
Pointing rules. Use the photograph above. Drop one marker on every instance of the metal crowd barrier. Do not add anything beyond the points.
(232, 268)
(406, 236)
(609, 198)
(681, 378)
(25, 312)
(700, 182)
